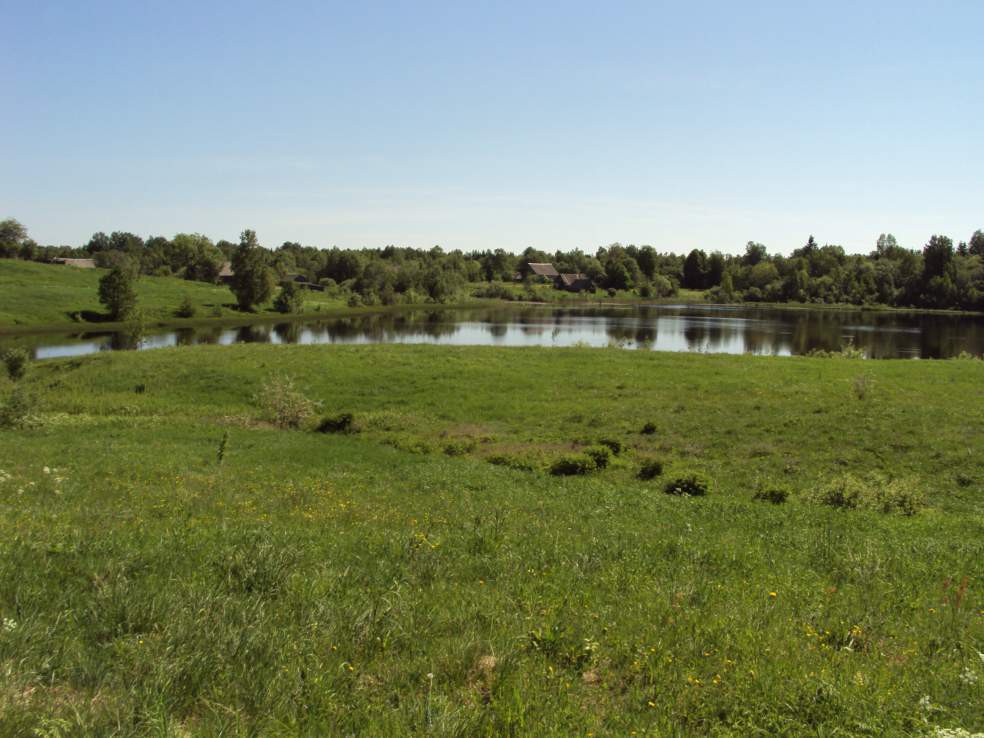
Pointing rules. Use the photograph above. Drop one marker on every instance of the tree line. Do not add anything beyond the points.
(938, 275)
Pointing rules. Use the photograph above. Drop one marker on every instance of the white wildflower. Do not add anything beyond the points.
(46, 470)
(968, 676)
(926, 704)
(955, 733)
(9, 625)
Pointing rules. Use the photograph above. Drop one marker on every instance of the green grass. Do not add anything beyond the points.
(548, 293)
(45, 295)
(394, 582)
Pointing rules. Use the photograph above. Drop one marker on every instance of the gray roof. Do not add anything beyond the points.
(543, 270)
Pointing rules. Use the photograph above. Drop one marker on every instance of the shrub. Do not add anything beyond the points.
(650, 469)
(689, 486)
(849, 492)
(283, 404)
(861, 386)
(15, 360)
(775, 496)
(572, 465)
(458, 448)
(341, 423)
(600, 455)
(612, 292)
(290, 299)
(186, 309)
(19, 410)
(612, 444)
(494, 291)
(512, 462)
(648, 429)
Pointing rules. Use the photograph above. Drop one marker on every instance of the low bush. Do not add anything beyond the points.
(283, 404)
(775, 496)
(648, 429)
(186, 309)
(874, 492)
(341, 423)
(650, 469)
(510, 461)
(612, 444)
(572, 465)
(19, 410)
(458, 447)
(290, 299)
(15, 360)
(494, 291)
(600, 455)
(689, 486)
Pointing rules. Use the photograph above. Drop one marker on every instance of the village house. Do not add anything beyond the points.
(547, 273)
(77, 263)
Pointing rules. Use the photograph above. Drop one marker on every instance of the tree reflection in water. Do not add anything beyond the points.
(708, 328)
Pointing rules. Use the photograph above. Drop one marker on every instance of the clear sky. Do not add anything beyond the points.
(495, 124)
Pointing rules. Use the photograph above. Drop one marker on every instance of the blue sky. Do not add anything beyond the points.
(499, 124)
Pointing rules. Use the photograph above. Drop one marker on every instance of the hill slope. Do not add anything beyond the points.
(41, 294)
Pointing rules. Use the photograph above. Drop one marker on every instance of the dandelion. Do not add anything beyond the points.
(773, 595)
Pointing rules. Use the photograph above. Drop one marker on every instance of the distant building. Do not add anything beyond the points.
(569, 282)
(225, 272)
(77, 263)
(545, 271)
(575, 282)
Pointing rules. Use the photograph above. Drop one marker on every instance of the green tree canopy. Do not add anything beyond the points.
(252, 281)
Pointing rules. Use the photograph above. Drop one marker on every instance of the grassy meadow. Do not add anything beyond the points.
(36, 295)
(41, 296)
(175, 564)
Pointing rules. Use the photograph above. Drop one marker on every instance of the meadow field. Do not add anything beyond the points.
(175, 563)
(37, 296)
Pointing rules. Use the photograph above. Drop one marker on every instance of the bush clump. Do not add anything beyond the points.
(850, 492)
(341, 423)
(612, 444)
(600, 455)
(775, 496)
(186, 309)
(573, 465)
(458, 447)
(650, 469)
(283, 404)
(19, 410)
(15, 360)
(510, 461)
(689, 486)
(648, 429)
(290, 299)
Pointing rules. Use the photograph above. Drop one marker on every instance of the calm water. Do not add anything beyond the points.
(717, 329)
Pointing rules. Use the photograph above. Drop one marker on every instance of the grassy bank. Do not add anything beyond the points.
(47, 297)
(396, 581)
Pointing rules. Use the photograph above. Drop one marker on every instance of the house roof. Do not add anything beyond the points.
(80, 263)
(570, 279)
(543, 270)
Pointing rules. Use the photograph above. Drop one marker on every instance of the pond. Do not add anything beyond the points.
(698, 328)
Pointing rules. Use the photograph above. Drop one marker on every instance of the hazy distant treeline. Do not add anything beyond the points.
(939, 275)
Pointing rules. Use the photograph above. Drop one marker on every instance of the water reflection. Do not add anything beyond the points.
(714, 329)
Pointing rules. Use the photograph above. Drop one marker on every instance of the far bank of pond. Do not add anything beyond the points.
(693, 328)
